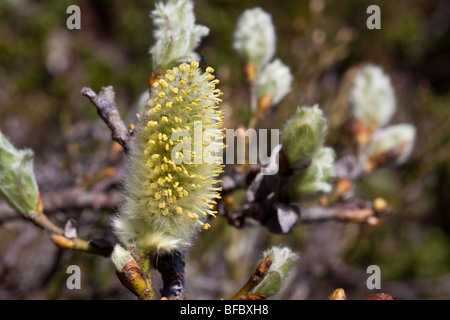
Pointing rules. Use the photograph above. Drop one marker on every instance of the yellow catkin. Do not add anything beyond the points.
(166, 200)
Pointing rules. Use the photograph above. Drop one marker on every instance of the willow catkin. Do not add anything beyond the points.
(170, 188)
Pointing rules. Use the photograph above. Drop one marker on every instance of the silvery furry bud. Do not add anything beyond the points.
(176, 34)
(254, 37)
(316, 179)
(170, 186)
(282, 261)
(304, 134)
(120, 257)
(391, 145)
(276, 80)
(372, 98)
(17, 181)
(130, 273)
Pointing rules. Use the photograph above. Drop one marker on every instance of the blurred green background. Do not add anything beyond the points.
(43, 67)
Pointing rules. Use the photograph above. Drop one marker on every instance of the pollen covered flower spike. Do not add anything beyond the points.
(170, 189)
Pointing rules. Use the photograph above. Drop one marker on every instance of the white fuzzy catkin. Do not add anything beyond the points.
(168, 201)
(176, 34)
(372, 98)
(275, 79)
(254, 37)
(396, 139)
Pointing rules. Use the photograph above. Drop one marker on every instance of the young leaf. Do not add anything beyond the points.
(17, 181)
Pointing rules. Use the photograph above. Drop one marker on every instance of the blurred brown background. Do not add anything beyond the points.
(43, 67)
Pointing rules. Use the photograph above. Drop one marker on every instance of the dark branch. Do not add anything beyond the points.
(107, 110)
(171, 267)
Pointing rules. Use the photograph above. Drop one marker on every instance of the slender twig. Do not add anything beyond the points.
(80, 245)
(41, 220)
(356, 211)
(350, 211)
(251, 74)
(253, 104)
(107, 110)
